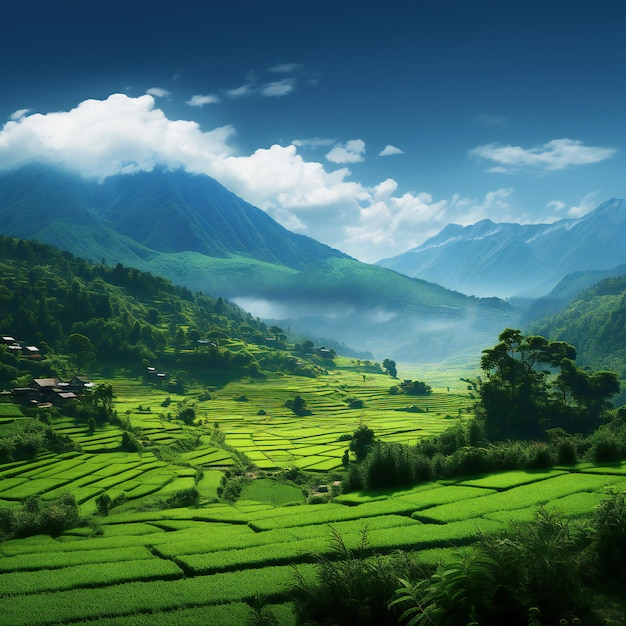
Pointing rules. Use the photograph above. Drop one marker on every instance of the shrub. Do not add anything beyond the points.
(566, 452)
(349, 588)
(34, 517)
(541, 457)
(609, 540)
(604, 450)
(130, 443)
(184, 497)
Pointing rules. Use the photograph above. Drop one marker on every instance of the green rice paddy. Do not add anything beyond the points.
(145, 563)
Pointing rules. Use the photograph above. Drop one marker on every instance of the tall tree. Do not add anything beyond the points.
(523, 395)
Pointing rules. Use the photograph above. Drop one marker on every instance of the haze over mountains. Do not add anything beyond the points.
(192, 230)
(504, 260)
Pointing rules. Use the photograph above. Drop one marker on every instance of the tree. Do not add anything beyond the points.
(362, 442)
(523, 396)
(80, 350)
(298, 405)
(390, 367)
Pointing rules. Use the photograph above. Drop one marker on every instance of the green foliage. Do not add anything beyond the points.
(415, 388)
(350, 588)
(530, 569)
(298, 405)
(130, 443)
(458, 593)
(521, 399)
(26, 439)
(95, 315)
(184, 497)
(34, 517)
(362, 442)
(608, 548)
(390, 367)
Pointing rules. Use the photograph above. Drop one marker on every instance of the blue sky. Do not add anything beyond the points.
(368, 126)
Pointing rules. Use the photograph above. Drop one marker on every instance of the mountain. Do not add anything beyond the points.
(510, 259)
(570, 288)
(192, 230)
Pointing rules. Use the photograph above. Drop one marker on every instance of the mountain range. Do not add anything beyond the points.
(192, 230)
(508, 259)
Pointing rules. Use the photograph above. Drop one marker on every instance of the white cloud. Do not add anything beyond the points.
(104, 137)
(99, 138)
(285, 68)
(557, 205)
(588, 203)
(158, 92)
(239, 92)
(19, 114)
(314, 142)
(199, 101)
(557, 154)
(350, 152)
(390, 150)
(278, 88)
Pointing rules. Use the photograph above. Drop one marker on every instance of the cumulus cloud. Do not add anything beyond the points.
(199, 101)
(100, 138)
(19, 113)
(390, 150)
(557, 154)
(350, 152)
(158, 92)
(588, 203)
(105, 137)
(278, 88)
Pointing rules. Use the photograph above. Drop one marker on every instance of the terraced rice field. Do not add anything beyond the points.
(254, 419)
(146, 564)
(208, 565)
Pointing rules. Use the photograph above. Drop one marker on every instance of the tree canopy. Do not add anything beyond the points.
(532, 384)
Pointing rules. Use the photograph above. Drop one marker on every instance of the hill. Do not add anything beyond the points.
(595, 324)
(572, 286)
(193, 231)
(126, 319)
(511, 259)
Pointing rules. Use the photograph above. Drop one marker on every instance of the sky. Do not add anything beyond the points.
(368, 126)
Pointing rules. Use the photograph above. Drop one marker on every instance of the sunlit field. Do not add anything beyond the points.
(254, 419)
(152, 562)
(210, 564)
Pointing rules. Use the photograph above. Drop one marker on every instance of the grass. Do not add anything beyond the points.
(137, 597)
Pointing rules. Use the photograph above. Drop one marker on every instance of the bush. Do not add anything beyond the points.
(130, 443)
(609, 539)
(566, 452)
(350, 588)
(540, 457)
(35, 518)
(184, 497)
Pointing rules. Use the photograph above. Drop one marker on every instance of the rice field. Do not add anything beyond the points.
(145, 563)
(176, 564)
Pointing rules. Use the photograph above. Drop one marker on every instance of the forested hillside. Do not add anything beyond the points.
(110, 317)
(596, 324)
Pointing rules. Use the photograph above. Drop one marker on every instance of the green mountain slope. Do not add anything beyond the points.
(195, 232)
(130, 318)
(595, 323)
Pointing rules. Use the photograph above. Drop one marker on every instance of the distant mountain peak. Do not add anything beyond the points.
(507, 259)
